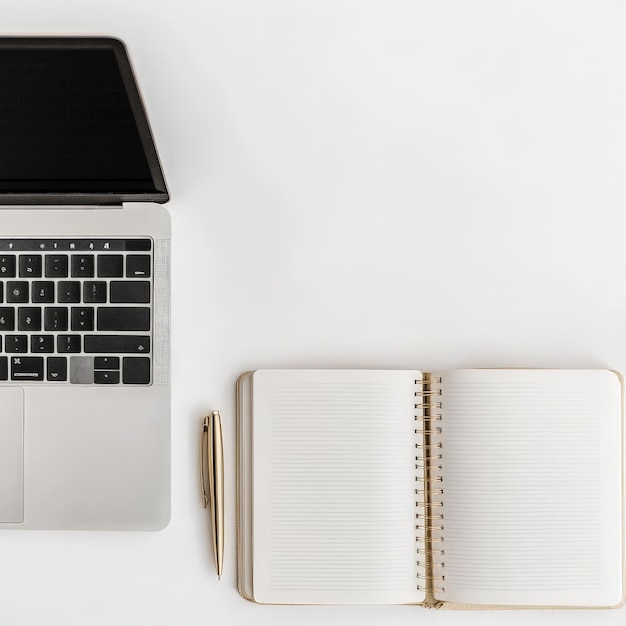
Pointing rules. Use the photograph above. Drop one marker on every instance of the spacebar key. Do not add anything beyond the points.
(123, 344)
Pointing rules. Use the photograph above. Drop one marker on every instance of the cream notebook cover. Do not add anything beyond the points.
(453, 489)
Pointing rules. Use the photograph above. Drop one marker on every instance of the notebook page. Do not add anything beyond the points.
(532, 487)
(334, 480)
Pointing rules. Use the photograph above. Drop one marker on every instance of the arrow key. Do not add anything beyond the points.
(106, 377)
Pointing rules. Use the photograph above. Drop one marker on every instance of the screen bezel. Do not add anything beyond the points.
(160, 193)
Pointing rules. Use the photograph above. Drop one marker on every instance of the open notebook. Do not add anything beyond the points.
(448, 489)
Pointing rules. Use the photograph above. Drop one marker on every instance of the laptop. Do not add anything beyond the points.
(84, 292)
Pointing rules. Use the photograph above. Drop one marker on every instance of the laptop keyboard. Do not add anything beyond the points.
(76, 311)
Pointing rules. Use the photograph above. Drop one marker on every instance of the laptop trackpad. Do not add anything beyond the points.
(11, 454)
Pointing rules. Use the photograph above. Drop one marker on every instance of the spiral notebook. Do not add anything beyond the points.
(452, 489)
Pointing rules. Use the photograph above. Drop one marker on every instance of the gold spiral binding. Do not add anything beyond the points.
(435, 605)
(434, 457)
(421, 564)
(434, 492)
(437, 504)
(427, 431)
(431, 552)
(429, 525)
(421, 418)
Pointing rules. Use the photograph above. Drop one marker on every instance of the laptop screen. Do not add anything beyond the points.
(72, 125)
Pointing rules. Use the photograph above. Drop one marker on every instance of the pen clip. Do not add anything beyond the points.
(204, 454)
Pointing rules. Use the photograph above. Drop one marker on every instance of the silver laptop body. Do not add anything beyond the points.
(84, 307)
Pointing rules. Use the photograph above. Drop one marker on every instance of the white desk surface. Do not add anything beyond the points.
(354, 184)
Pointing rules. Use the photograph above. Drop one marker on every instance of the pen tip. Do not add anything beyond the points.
(219, 577)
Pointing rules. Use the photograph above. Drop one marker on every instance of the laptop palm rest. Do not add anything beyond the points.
(11, 454)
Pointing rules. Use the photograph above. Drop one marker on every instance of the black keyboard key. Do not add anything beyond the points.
(136, 370)
(27, 368)
(68, 291)
(131, 291)
(138, 266)
(122, 344)
(7, 266)
(17, 291)
(16, 343)
(138, 245)
(1, 292)
(56, 368)
(42, 291)
(4, 368)
(42, 343)
(30, 265)
(106, 378)
(56, 266)
(7, 319)
(82, 318)
(68, 344)
(106, 362)
(55, 318)
(110, 266)
(29, 318)
(82, 266)
(94, 291)
(123, 318)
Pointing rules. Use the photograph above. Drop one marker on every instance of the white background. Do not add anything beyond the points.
(354, 184)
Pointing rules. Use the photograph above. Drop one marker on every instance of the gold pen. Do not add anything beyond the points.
(213, 466)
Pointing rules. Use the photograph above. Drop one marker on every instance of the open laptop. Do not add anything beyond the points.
(84, 292)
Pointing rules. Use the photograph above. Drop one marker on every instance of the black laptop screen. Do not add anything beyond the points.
(67, 124)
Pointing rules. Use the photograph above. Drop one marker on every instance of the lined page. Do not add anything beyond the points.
(334, 481)
(532, 487)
